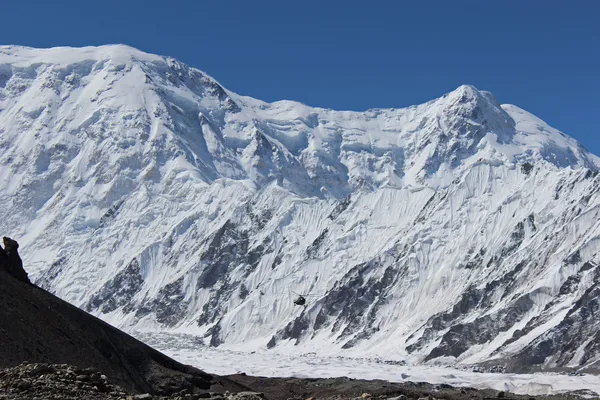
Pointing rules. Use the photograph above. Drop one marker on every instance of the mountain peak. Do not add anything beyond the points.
(477, 113)
(63, 56)
(469, 94)
(480, 106)
(118, 96)
(464, 92)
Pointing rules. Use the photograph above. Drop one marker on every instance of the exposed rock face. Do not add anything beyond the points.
(561, 344)
(10, 260)
(119, 291)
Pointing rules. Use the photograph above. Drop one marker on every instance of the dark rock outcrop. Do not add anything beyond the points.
(11, 262)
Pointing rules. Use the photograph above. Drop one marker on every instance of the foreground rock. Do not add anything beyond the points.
(62, 381)
(47, 381)
(66, 382)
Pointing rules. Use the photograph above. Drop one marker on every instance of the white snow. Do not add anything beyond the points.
(110, 154)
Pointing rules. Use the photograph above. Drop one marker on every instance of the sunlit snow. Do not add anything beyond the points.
(453, 232)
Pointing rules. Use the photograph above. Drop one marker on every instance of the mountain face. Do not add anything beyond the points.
(459, 231)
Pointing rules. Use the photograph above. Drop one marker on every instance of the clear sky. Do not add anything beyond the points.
(542, 55)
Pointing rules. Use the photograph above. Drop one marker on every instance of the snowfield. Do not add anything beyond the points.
(457, 232)
(311, 365)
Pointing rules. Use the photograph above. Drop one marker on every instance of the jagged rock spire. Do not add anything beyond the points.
(11, 262)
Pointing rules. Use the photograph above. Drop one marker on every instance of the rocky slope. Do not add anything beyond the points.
(457, 231)
(66, 382)
(39, 327)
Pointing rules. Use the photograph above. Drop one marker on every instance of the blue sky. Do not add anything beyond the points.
(542, 55)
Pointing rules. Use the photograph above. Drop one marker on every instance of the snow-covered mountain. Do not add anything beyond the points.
(459, 231)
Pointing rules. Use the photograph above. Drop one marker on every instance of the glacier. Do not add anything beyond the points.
(457, 232)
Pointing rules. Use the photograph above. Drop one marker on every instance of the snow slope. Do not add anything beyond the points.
(459, 231)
